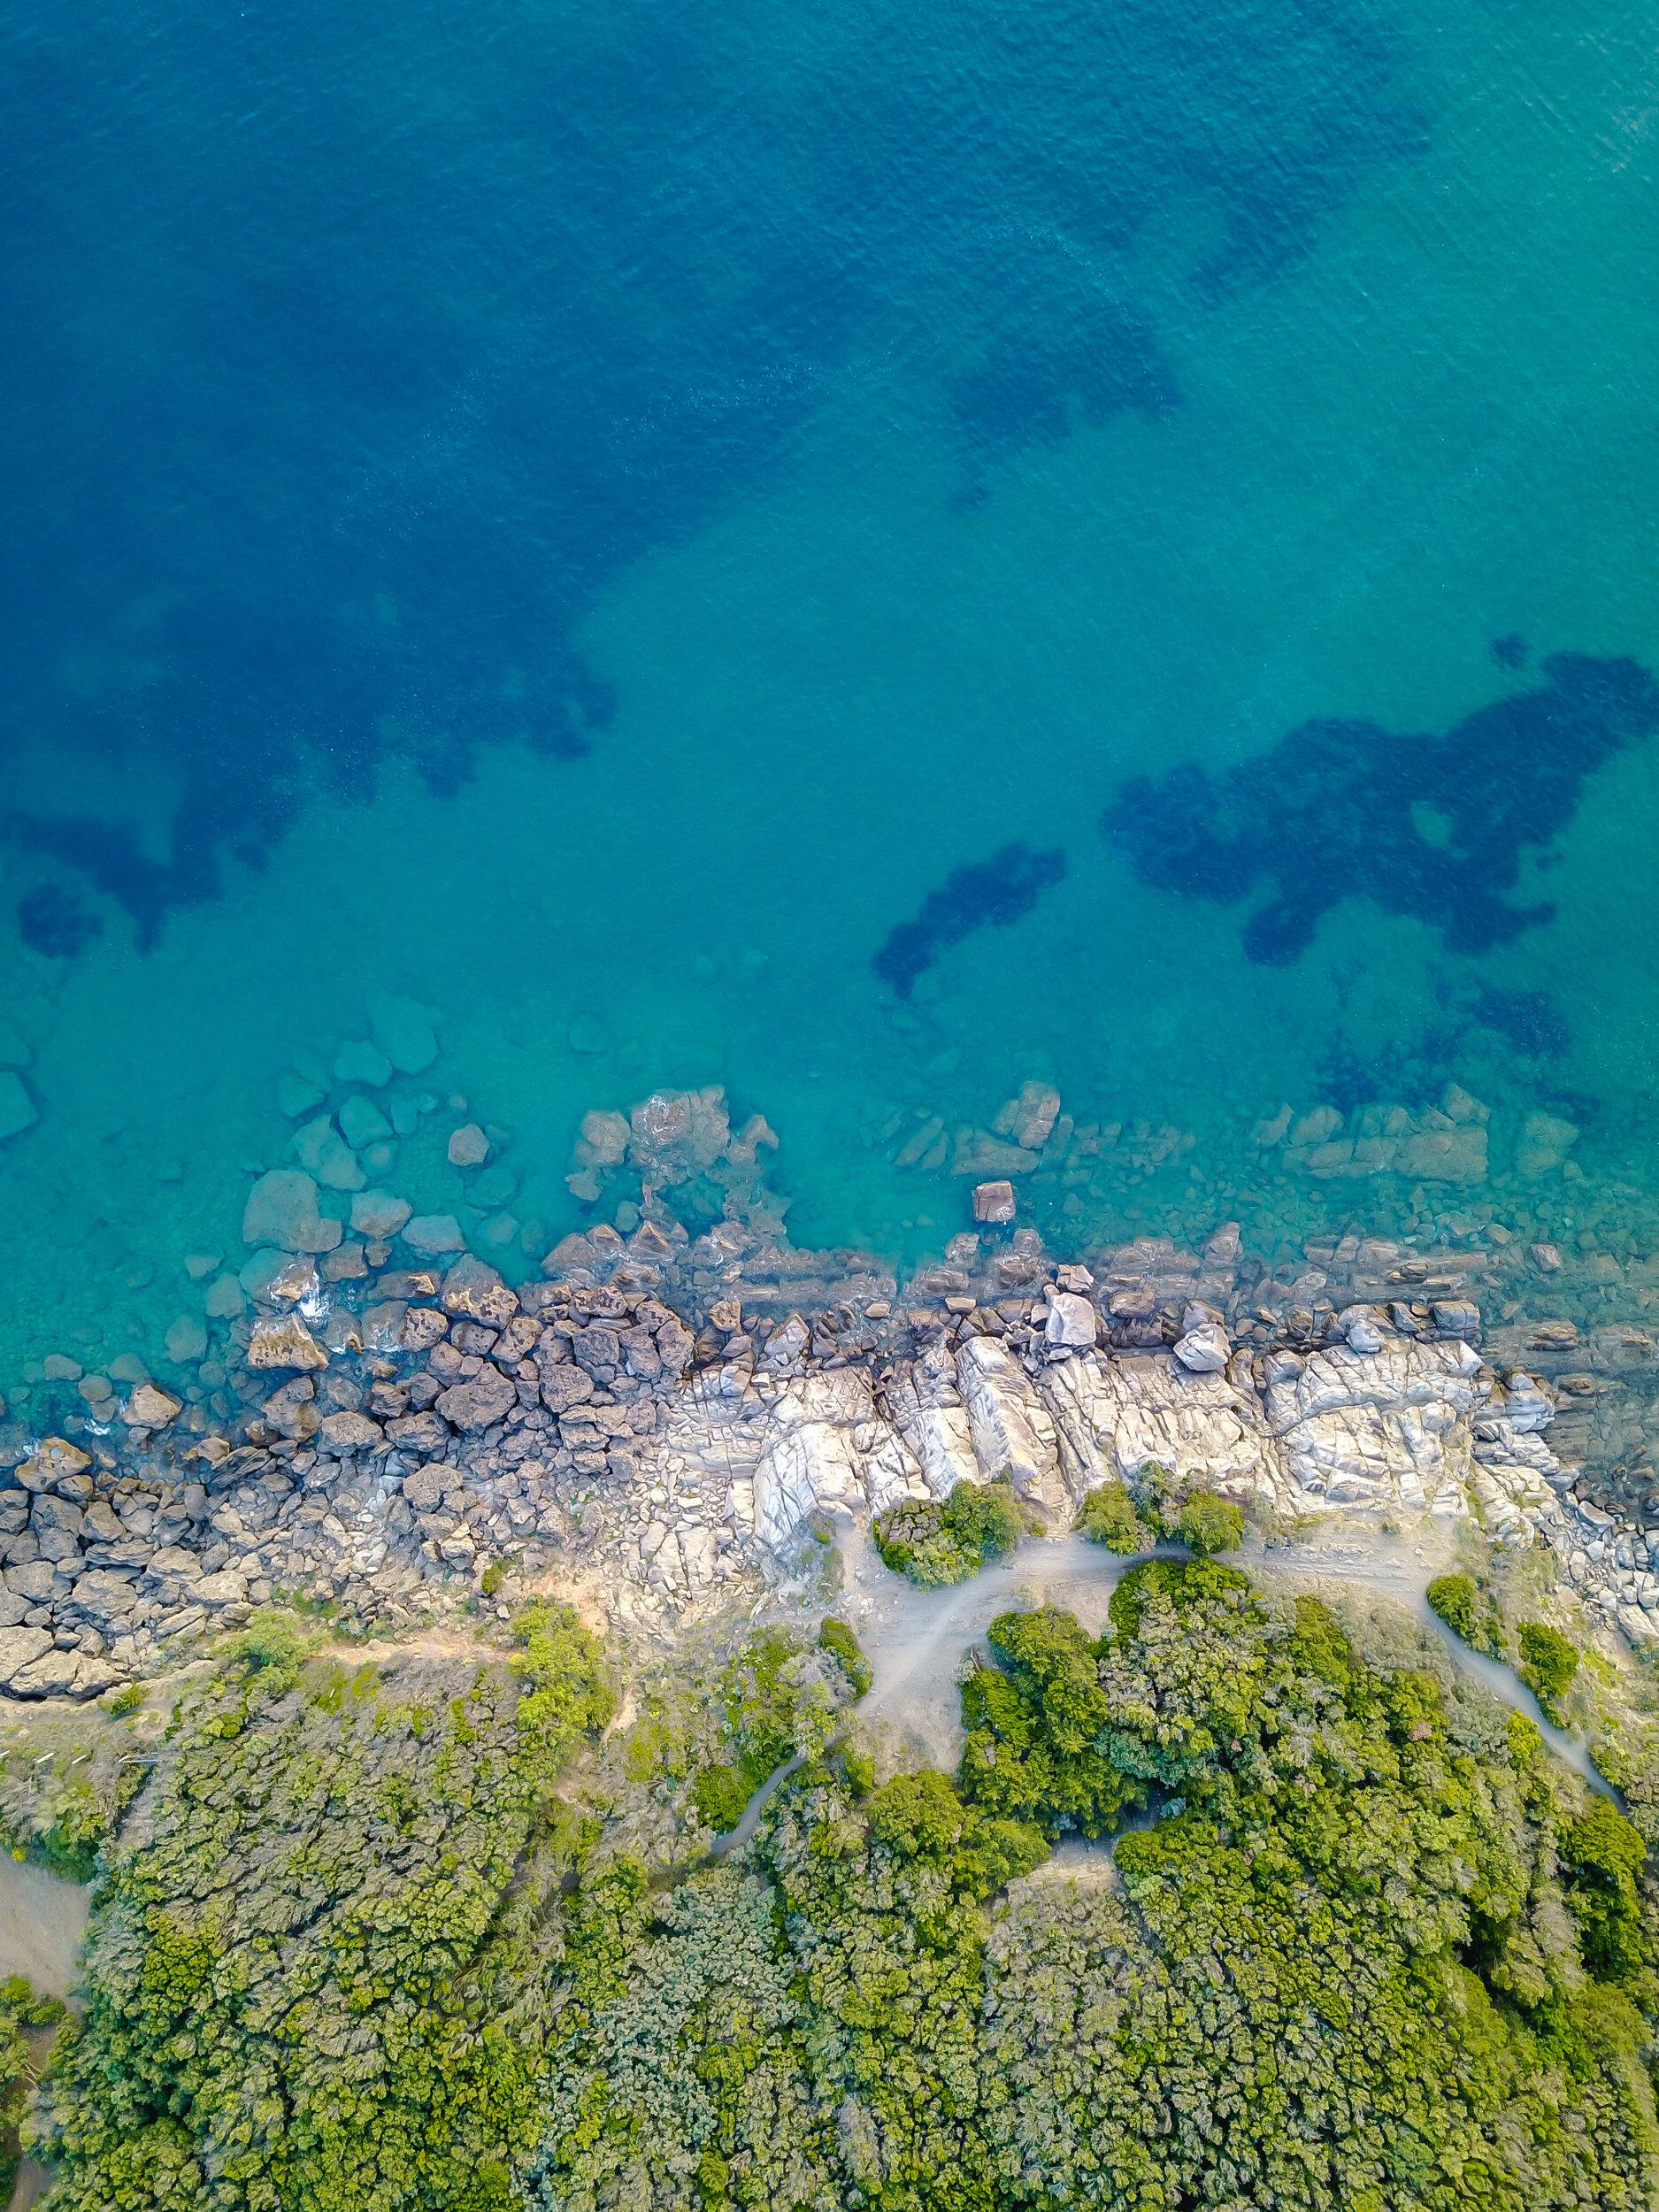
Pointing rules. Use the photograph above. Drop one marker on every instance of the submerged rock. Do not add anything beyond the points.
(282, 1211)
(403, 1028)
(17, 1108)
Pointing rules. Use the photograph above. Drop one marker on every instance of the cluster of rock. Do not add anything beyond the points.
(393, 1420)
(1029, 1134)
(1446, 1143)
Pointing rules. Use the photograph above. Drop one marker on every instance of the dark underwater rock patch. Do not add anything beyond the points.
(1424, 824)
(53, 921)
(986, 893)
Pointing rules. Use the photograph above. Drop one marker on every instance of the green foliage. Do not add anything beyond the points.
(20, 2007)
(1035, 1730)
(720, 1797)
(1180, 1582)
(565, 1695)
(272, 1650)
(1548, 1662)
(126, 1701)
(1459, 1604)
(935, 1544)
(490, 1581)
(783, 1699)
(1207, 1522)
(1453, 1598)
(1108, 1516)
(837, 1639)
(1601, 1855)
(314, 1982)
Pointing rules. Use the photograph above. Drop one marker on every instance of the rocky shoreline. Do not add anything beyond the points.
(662, 1418)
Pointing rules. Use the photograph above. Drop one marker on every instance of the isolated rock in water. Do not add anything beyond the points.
(677, 1133)
(362, 1063)
(994, 1201)
(293, 1282)
(187, 1340)
(432, 1233)
(282, 1210)
(296, 1095)
(284, 1341)
(376, 1213)
(1204, 1350)
(17, 1108)
(469, 1147)
(1544, 1143)
(1071, 1322)
(149, 1407)
(320, 1147)
(603, 1141)
(362, 1122)
(403, 1031)
(1029, 1119)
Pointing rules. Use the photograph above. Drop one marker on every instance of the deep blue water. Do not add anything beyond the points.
(613, 522)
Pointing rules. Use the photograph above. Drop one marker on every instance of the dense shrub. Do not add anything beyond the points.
(1206, 1523)
(720, 1797)
(20, 2007)
(837, 1639)
(1108, 1516)
(1453, 1598)
(934, 1544)
(1548, 1662)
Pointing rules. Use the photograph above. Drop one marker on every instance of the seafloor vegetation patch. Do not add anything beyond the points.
(397, 1941)
(1428, 825)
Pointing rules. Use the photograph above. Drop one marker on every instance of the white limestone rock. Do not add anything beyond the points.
(1205, 1349)
(1119, 1416)
(925, 1405)
(1012, 1430)
(1071, 1324)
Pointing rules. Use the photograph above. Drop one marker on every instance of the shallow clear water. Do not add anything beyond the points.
(587, 520)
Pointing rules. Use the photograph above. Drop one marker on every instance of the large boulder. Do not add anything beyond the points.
(19, 1646)
(282, 1211)
(489, 1397)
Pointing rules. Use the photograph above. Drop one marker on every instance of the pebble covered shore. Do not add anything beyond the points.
(658, 1417)
(388, 1425)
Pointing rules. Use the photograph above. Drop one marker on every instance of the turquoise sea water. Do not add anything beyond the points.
(587, 520)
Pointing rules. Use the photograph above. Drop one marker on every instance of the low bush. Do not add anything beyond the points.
(1108, 1516)
(933, 1543)
(1548, 1662)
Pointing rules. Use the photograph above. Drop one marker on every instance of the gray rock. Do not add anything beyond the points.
(1071, 1322)
(345, 1433)
(283, 1211)
(224, 1588)
(474, 1292)
(469, 1147)
(63, 1674)
(17, 1108)
(186, 1340)
(474, 1405)
(284, 1341)
(18, 1647)
(432, 1235)
(362, 1122)
(319, 1147)
(376, 1213)
(1359, 1327)
(563, 1385)
(1204, 1350)
(403, 1028)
